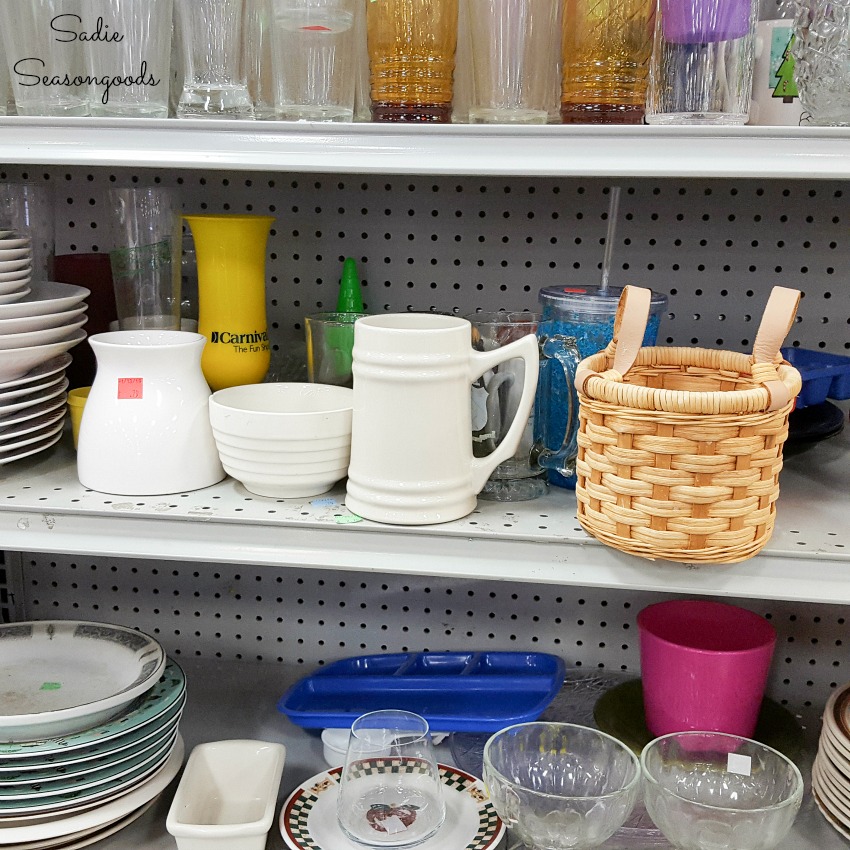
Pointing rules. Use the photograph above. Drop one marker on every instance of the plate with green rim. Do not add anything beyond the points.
(145, 709)
(620, 713)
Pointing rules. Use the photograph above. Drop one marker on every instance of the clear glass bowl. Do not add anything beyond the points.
(559, 785)
(709, 790)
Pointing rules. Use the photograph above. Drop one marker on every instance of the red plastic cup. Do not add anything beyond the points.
(704, 666)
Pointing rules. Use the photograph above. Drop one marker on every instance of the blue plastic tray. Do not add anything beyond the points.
(824, 375)
(453, 691)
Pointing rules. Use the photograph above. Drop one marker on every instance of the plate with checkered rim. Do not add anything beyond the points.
(308, 817)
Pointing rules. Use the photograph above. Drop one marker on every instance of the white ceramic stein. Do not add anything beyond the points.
(411, 449)
(145, 428)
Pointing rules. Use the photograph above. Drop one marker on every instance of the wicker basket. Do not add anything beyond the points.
(680, 448)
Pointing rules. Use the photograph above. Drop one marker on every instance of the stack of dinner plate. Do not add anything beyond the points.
(89, 737)
(15, 266)
(831, 768)
(36, 333)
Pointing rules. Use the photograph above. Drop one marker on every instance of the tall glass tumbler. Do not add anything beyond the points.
(145, 257)
(215, 74)
(41, 42)
(314, 48)
(28, 208)
(605, 50)
(702, 62)
(140, 59)
(412, 47)
(513, 56)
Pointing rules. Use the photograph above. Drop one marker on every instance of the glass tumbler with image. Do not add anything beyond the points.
(390, 791)
(215, 75)
(314, 51)
(141, 57)
(702, 62)
(495, 399)
(412, 48)
(40, 41)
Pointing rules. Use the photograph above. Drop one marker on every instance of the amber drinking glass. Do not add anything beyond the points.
(412, 45)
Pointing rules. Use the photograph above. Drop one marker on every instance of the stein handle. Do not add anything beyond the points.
(480, 362)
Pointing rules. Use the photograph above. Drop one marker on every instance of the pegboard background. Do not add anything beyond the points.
(283, 615)
(463, 244)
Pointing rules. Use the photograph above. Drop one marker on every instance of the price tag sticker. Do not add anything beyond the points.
(740, 764)
(129, 388)
(323, 503)
(346, 519)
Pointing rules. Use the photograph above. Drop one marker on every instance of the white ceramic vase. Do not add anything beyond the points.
(411, 435)
(145, 429)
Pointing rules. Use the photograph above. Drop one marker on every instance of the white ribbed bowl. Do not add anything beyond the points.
(286, 440)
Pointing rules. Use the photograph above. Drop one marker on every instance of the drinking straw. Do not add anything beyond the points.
(613, 206)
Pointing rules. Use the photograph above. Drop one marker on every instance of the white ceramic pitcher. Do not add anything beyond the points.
(411, 450)
(145, 428)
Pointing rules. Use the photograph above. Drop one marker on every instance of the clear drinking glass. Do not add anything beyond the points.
(513, 56)
(40, 42)
(147, 240)
(605, 51)
(142, 56)
(412, 47)
(314, 48)
(495, 398)
(259, 58)
(702, 62)
(28, 208)
(330, 340)
(215, 76)
(390, 791)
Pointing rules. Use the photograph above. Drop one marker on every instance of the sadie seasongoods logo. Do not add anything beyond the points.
(68, 28)
(242, 343)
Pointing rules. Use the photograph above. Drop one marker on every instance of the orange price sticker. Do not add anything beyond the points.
(129, 388)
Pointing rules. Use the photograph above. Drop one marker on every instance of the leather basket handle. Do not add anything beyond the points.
(776, 322)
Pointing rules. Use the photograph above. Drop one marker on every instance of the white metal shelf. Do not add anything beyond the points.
(458, 149)
(43, 508)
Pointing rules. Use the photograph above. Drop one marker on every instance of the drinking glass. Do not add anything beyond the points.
(330, 341)
(39, 38)
(513, 58)
(390, 791)
(140, 58)
(412, 46)
(314, 48)
(605, 48)
(495, 399)
(702, 62)
(215, 77)
(259, 58)
(28, 208)
(145, 257)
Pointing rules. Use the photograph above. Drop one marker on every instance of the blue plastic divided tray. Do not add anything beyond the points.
(453, 691)
(824, 375)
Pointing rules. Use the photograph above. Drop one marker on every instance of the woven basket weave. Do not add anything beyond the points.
(680, 449)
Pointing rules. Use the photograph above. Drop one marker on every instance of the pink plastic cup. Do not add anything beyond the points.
(704, 666)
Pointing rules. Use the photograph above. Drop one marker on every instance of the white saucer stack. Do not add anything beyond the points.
(89, 735)
(37, 330)
(15, 266)
(831, 768)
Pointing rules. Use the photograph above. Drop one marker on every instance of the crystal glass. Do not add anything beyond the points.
(390, 791)
(560, 786)
(706, 790)
(821, 51)
(215, 83)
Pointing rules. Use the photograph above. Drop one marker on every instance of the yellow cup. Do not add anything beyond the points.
(76, 403)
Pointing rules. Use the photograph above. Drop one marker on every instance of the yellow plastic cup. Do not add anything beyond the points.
(76, 403)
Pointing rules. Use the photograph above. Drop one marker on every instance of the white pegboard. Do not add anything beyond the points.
(459, 244)
(282, 615)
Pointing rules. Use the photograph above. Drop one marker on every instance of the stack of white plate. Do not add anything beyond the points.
(36, 333)
(89, 737)
(831, 768)
(15, 266)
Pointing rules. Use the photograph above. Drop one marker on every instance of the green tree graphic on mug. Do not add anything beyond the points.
(786, 88)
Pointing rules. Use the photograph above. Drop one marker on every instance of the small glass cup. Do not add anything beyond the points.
(390, 791)
(215, 75)
(330, 339)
